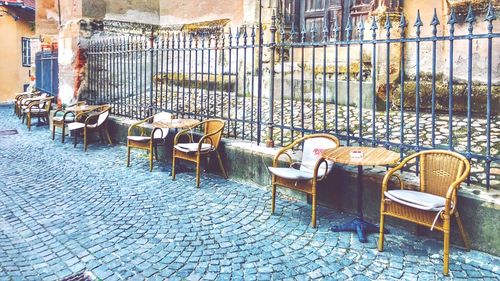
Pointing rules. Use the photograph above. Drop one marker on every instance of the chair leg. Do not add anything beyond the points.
(381, 233)
(75, 135)
(107, 135)
(173, 165)
(28, 121)
(313, 212)
(128, 156)
(63, 132)
(446, 247)
(465, 238)
(85, 139)
(150, 159)
(273, 197)
(198, 160)
(221, 165)
(53, 132)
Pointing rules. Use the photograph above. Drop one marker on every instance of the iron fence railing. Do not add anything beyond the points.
(47, 72)
(385, 87)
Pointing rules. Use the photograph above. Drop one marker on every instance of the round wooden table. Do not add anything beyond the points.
(176, 123)
(372, 156)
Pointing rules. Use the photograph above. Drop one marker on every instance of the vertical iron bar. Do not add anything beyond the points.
(418, 24)
(183, 74)
(190, 87)
(259, 77)
(402, 25)
(313, 82)
(490, 17)
(282, 90)
(272, 49)
(470, 19)
(209, 50)
(253, 86)
(388, 27)
(151, 69)
(451, 22)
(348, 86)
(434, 24)
(229, 101)
(302, 79)
(361, 29)
(374, 28)
(244, 96)
(216, 46)
(236, 82)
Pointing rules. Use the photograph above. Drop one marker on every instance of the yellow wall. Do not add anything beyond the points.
(12, 74)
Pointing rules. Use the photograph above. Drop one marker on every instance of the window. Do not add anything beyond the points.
(26, 51)
(311, 13)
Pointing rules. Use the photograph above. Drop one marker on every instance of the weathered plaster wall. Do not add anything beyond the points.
(178, 12)
(12, 74)
(460, 51)
(139, 11)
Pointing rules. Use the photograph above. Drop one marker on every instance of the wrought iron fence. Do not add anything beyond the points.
(47, 72)
(375, 89)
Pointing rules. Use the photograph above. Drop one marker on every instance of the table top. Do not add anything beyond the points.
(372, 156)
(82, 108)
(176, 123)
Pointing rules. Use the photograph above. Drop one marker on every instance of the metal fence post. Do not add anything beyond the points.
(151, 55)
(272, 47)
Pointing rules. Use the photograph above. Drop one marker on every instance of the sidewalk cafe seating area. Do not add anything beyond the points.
(433, 205)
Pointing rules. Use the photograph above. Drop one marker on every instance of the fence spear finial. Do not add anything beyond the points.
(490, 17)
(348, 28)
(418, 23)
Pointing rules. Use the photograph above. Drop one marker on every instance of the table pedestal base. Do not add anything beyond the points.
(360, 226)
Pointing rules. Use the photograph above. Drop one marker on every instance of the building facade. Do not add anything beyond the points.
(17, 28)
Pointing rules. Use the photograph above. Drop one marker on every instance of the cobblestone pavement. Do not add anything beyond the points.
(63, 211)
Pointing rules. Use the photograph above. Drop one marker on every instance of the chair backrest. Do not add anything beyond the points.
(103, 115)
(214, 126)
(439, 169)
(311, 153)
(43, 100)
(162, 116)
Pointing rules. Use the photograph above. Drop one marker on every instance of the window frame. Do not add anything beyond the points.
(26, 51)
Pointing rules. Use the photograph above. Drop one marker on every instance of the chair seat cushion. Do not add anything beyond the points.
(417, 199)
(67, 119)
(75, 126)
(192, 147)
(36, 110)
(290, 173)
(139, 138)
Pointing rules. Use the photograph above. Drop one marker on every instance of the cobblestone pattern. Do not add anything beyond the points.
(63, 211)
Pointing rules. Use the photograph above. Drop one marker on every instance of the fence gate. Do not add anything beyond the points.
(47, 72)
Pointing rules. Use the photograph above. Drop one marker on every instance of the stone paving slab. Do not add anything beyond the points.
(63, 211)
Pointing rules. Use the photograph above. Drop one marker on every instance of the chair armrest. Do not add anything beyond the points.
(316, 168)
(283, 151)
(184, 132)
(138, 125)
(389, 175)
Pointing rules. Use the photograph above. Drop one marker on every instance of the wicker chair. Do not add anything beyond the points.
(303, 176)
(23, 99)
(91, 121)
(39, 107)
(195, 151)
(148, 142)
(64, 118)
(441, 173)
